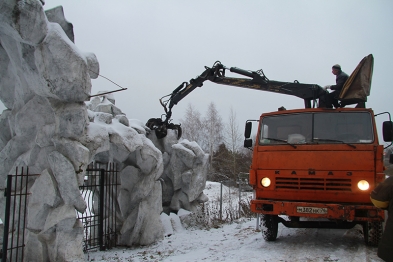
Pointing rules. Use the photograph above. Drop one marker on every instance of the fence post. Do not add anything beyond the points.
(7, 194)
(242, 179)
(240, 195)
(221, 201)
(101, 211)
(257, 227)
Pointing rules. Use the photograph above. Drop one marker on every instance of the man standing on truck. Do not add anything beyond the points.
(382, 197)
(341, 78)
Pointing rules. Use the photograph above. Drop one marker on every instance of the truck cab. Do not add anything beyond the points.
(316, 167)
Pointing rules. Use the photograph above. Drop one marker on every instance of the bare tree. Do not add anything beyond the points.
(233, 140)
(212, 125)
(233, 135)
(192, 124)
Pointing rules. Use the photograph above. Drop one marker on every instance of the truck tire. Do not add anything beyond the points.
(269, 227)
(372, 232)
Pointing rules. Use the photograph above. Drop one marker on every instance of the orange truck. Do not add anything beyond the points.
(316, 168)
(311, 167)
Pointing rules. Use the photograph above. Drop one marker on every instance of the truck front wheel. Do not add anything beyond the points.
(269, 226)
(372, 232)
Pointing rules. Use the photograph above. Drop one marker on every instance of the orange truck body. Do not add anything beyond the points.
(317, 179)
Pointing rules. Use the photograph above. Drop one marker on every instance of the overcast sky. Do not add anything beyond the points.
(151, 47)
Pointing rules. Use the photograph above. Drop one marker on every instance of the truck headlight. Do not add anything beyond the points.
(363, 185)
(265, 182)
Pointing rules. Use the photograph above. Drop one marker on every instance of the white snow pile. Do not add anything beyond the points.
(52, 126)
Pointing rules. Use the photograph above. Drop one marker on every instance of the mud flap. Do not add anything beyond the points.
(372, 232)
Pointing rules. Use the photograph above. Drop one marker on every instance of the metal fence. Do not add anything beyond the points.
(99, 190)
(242, 186)
(16, 195)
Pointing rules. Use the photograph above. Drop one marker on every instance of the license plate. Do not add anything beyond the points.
(312, 210)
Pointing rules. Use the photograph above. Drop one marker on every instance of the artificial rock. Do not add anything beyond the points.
(185, 170)
(53, 126)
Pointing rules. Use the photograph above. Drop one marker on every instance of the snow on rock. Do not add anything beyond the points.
(68, 82)
(57, 15)
(176, 223)
(52, 126)
(171, 224)
(167, 224)
(138, 126)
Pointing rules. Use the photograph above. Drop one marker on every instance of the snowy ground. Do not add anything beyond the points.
(241, 241)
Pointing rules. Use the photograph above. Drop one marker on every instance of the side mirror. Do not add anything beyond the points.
(248, 142)
(391, 159)
(387, 131)
(247, 130)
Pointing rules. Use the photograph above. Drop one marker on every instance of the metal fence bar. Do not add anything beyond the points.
(114, 219)
(19, 213)
(221, 200)
(13, 216)
(107, 203)
(101, 210)
(25, 213)
(7, 194)
(114, 203)
(111, 205)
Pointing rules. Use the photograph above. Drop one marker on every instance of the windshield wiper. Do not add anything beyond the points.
(280, 140)
(333, 140)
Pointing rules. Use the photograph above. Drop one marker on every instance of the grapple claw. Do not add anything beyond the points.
(176, 127)
(161, 127)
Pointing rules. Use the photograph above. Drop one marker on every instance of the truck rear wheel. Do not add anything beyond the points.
(372, 232)
(269, 226)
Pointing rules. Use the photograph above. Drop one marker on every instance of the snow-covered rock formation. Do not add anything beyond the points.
(110, 138)
(185, 169)
(48, 126)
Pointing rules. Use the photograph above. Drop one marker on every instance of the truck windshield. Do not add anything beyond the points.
(312, 128)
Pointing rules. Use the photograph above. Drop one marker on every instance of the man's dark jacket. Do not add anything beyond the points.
(384, 192)
(340, 81)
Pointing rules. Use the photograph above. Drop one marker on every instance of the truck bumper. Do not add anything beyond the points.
(347, 212)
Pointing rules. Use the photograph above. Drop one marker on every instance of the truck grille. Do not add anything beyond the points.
(328, 184)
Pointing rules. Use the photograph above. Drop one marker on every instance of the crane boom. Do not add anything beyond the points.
(256, 80)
